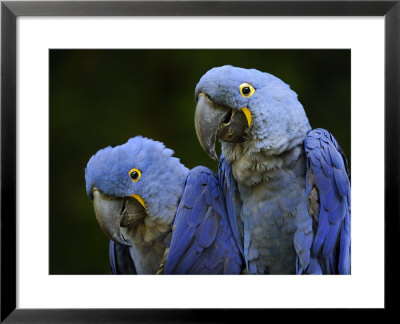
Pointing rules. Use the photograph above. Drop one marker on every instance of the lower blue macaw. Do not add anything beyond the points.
(287, 187)
(160, 216)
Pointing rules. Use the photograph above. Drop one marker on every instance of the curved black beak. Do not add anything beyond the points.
(212, 120)
(112, 214)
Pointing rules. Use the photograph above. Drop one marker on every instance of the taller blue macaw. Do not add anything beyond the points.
(160, 216)
(287, 186)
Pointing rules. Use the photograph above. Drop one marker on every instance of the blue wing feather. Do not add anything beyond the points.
(208, 229)
(120, 259)
(331, 243)
(232, 200)
(202, 239)
(345, 247)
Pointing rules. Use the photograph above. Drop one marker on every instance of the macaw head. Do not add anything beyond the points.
(132, 181)
(240, 105)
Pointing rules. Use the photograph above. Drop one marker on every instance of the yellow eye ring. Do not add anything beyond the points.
(246, 89)
(135, 174)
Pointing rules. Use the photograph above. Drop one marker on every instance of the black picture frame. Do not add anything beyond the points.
(10, 10)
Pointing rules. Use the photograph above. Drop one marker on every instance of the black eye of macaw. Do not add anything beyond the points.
(135, 175)
(246, 90)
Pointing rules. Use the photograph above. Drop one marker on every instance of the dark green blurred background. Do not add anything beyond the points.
(103, 97)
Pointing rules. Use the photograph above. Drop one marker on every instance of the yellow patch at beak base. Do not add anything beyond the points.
(247, 113)
(139, 199)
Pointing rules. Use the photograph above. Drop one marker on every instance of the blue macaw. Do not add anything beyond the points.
(287, 187)
(160, 216)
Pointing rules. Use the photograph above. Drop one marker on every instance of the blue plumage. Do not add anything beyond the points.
(202, 240)
(142, 208)
(287, 187)
(120, 260)
(334, 193)
(233, 202)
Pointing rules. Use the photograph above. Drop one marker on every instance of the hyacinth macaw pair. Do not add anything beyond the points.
(280, 203)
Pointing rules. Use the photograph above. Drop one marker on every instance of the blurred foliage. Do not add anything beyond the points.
(103, 97)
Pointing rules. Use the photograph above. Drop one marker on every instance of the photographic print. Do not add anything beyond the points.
(200, 161)
(97, 96)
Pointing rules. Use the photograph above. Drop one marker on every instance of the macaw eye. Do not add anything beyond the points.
(135, 174)
(246, 89)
